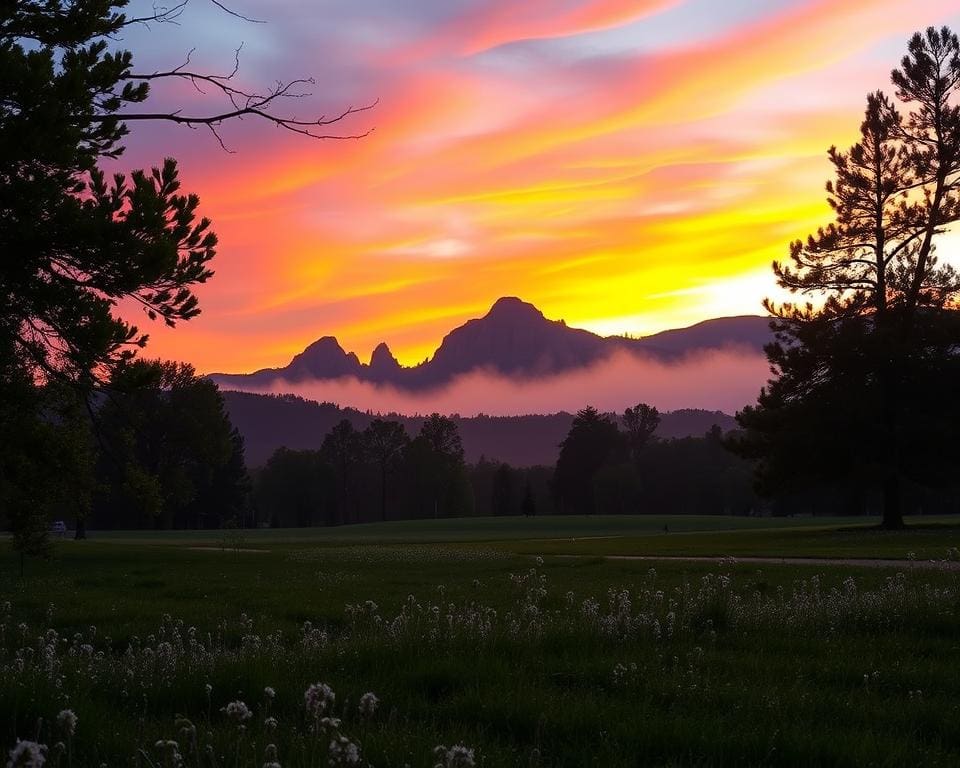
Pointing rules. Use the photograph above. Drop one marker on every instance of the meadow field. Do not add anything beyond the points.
(488, 642)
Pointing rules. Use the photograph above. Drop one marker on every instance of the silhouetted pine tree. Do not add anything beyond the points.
(861, 376)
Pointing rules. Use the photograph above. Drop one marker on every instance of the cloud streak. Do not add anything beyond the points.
(626, 165)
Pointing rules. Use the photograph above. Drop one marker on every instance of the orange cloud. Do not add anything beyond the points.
(623, 191)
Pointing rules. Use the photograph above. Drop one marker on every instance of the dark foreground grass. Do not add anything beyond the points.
(583, 662)
(483, 529)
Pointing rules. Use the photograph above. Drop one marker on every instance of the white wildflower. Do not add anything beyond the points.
(27, 754)
(368, 704)
(67, 721)
(457, 756)
(172, 750)
(270, 724)
(318, 699)
(270, 756)
(328, 723)
(237, 711)
(269, 693)
(343, 752)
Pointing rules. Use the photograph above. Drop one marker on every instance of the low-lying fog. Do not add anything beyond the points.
(722, 380)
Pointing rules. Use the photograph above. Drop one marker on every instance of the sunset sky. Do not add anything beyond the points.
(626, 165)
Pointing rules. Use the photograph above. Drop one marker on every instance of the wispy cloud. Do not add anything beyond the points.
(616, 163)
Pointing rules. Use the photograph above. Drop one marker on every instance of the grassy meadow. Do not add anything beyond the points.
(517, 639)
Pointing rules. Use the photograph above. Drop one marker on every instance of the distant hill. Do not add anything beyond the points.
(268, 422)
(513, 339)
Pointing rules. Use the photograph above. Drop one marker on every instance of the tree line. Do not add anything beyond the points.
(607, 465)
(158, 451)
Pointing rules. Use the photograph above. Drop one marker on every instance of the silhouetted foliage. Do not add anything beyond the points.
(343, 450)
(171, 457)
(640, 423)
(504, 492)
(46, 461)
(862, 383)
(83, 242)
(296, 489)
(434, 471)
(76, 245)
(385, 442)
(594, 442)
(528, 507)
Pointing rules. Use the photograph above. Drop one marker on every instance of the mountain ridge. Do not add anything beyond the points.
(269, 422)
(513, 339)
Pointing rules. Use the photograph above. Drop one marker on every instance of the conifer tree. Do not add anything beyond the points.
(863, 368)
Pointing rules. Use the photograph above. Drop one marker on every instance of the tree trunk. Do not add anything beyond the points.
(892, 511)
(80, 528)
(890, 415)
(383, 493)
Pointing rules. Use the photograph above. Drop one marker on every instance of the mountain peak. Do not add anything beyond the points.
(513, 308)
(324, 344)
(324, 358)
(382, 356)
(384, 367)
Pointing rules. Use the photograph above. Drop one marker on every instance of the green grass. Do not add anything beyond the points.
(767, 669)
(929, 539)
(482, 529)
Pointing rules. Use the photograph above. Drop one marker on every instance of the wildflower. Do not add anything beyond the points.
(270, 725)
(318, 699)
(237, 711)
(457, 756)
(67, 721)
(172, 750)
(329, 723)
(368, 704)
(539, 560)
(208, 689)
(27, 754)
(270, 755)
(269, 693)
(343, 752)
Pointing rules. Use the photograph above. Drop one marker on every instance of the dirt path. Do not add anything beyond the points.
(227, 549)
(947, 565)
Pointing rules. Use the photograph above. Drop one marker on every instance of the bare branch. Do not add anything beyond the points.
(244, 103)
(223, 7)
(213, 130)
(160, 15)
(256, 108)
(170, 15)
